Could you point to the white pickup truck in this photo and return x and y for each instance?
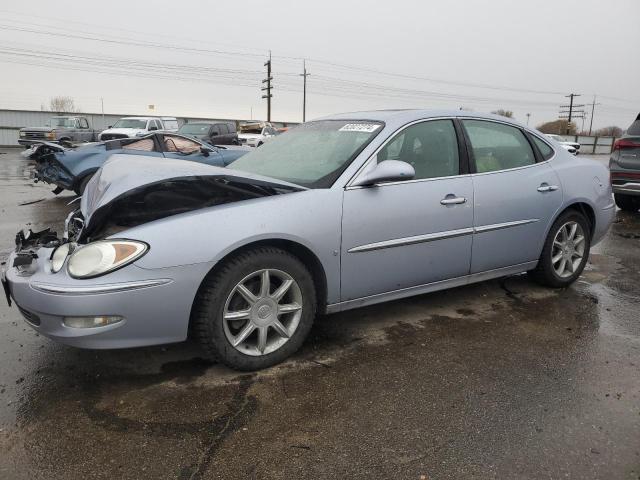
(130, 127)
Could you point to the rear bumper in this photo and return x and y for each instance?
(627, 188)
(155, 305)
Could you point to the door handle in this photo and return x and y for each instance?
(545, 187)
(451, 200)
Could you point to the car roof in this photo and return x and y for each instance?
(403, 116)
(139, 118)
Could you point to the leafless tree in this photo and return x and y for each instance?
(504, 113)
(611, 131)
(63, 104)
(558, 127)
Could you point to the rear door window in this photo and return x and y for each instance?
(496, 146)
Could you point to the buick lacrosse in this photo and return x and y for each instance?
(338, 213)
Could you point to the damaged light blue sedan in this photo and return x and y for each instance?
(70, 167)
(338, 213)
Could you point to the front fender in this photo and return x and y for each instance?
(310, 218)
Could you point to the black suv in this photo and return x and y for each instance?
(624, 165)
(215, 133)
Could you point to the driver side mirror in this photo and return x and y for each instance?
(386, 171)
(205, 151)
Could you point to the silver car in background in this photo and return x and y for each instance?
(339, 213)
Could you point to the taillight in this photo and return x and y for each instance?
(624, 143)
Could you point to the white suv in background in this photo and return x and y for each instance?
(255, 134)
(130, 127)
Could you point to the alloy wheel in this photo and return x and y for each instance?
(262, 312)
(568, 249)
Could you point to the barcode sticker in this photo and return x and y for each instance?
(360, 127)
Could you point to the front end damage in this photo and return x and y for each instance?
(49, 168)
(129, 305)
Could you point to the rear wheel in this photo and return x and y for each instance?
(628, 203)
(256, 310)
(565, 251)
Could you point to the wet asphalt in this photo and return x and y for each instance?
(502, 379)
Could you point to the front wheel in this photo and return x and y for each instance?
(256, 310)
(565, 251)
(628, 203)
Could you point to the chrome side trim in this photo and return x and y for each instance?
(432, 237)
(98, 289)
(398, 242)
(500, 226)
(430, 287)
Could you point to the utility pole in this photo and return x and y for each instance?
(528, 115)
(102, 103)
(304, 75)
(593, 107)
(268, 87)
(572, 109)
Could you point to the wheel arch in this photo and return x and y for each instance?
(303, 253)
(581, 206)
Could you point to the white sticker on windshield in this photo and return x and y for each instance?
(360, 127)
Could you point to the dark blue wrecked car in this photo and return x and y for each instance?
(71, 168)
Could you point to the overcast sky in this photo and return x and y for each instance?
(202, 58)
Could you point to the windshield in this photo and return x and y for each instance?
(130, 123)
(313, 154)
(195, 128)
(62, 122)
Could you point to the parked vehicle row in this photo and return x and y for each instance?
(342, 212)
(69, 130)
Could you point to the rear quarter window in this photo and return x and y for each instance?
(545, 150)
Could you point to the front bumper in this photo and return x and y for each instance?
(155, 305)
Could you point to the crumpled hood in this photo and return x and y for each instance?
(125, 131)
(124, 173)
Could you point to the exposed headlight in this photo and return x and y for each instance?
(51, 135)
(104, 256)
(59, 255)
(22, 134)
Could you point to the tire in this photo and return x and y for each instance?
(259, 144)
(628, 203)
(546, 272)
(220, 290)
(83, 184)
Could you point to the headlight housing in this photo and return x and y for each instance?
(59, 255)
(104, 256)
(51, 135)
